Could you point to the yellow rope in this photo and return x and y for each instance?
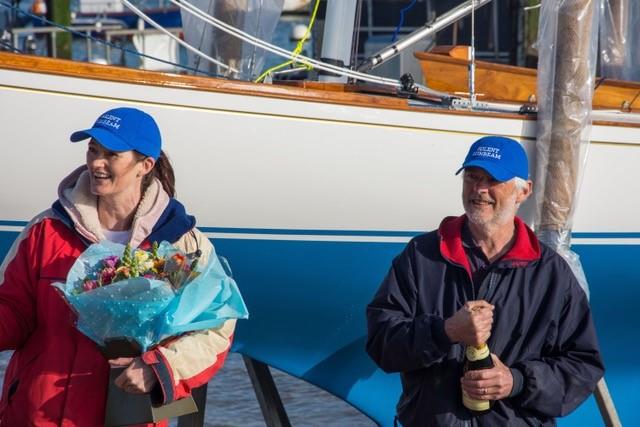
(297, 50)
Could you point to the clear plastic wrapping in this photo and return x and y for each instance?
(620, 39)
(256, 17)
(566, 70)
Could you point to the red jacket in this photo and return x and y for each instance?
(57, 376)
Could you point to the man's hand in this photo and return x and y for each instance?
(488, 384)
(471, 324)
(138, 378)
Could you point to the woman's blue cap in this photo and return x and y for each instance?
(124, 129)
(502, 158)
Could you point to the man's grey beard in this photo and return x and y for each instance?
(502, 217)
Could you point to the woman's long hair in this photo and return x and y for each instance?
(164, 172)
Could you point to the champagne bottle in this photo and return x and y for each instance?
(477, 358)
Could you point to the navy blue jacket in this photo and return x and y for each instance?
(542, 327)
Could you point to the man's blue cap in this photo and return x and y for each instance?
(502, 158)
(124, 129)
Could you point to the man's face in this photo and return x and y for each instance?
(488, 202)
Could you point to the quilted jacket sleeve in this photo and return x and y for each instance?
(399, 339)
(566, 375)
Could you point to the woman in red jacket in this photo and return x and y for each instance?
(124, 193)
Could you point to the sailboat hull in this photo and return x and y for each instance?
(310, 194)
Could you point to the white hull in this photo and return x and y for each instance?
(273, 163)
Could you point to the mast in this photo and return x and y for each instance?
(338, 35)
(566, 74)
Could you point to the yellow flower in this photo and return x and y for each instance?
(141, 257)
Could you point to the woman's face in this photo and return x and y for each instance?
(116, 173)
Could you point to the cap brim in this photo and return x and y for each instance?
(498, 173)
(104, 138)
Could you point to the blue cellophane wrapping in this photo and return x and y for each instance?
(150, 310)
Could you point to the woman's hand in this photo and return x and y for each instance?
(138, 378)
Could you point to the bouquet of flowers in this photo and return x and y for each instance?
(178, 269)
(147, 296)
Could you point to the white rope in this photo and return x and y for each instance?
(177, 39)
(185, 5)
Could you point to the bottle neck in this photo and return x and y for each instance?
(480, 352)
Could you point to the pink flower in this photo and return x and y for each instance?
(111, 261)
(89, 285)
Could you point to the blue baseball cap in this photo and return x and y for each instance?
(124, 129)
(502, 158)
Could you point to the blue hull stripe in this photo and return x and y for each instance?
(363, 233)
(309, 232)
(608, 235)
(13, 223)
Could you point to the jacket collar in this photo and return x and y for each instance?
(157, 215)
(525, 249)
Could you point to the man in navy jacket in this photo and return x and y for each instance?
(485, 277)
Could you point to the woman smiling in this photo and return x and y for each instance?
(124, 193)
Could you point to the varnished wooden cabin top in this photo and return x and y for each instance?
(445, 69)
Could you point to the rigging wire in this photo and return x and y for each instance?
(296, 51)
(99, 41)
(185, 5)
(186, 45)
